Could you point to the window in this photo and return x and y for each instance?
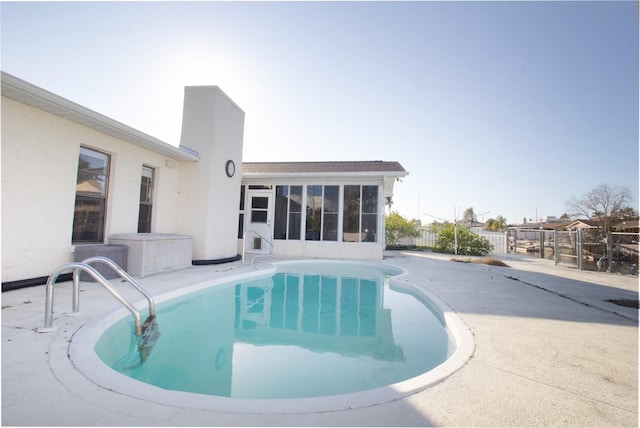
(241, 216)
(295, 212)
(91, 197)
(288, 212)
(369, 230)
(259, 209)
(330, 213)
(322, 213)
(326, 210)
(351, 214)
(314, 213)
(146, 200)
(360, 214)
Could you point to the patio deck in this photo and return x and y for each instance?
(550, 351)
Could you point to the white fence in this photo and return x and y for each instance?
(428, 239)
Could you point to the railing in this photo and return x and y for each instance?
(117, 269)
(244, 245)
(84, 266)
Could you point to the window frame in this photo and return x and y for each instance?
(89, 198)
(149, 197)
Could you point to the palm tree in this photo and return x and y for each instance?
(388, 201)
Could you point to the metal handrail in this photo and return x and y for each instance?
(117, 269)
(244, 245)
(78, 266)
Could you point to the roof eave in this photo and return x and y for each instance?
(359, 174)
(34, 96)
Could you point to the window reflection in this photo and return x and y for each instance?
(91, 193)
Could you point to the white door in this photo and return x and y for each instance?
(260, 220)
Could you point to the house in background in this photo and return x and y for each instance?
(73, 178)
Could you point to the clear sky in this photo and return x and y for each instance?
(511, 108)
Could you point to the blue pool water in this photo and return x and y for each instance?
(317, 330)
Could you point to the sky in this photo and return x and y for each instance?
(510, 108)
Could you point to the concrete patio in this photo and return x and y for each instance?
(550, 351)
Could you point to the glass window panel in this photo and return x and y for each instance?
(147, 172)
(91, 193)
(145, 190)
(295, 222)
(88, 220)
(369, 199)
(314, 213)
(351, 214)
(93, 173)
(295, 204)
(330, 227)
(295, 212)
(242, 197)
(369, 227)
(144, 219)
(258, 216)
(281, 210)
(240, 225)
(260, 202)
(146, 200)
(331, 194)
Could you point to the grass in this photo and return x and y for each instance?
(483, 261)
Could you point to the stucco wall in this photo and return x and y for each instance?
(330, 250)
(39, 169)
(213, 125)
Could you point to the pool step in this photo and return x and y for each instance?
(149, 337)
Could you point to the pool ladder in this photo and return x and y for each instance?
(146, 332)
(244, 245)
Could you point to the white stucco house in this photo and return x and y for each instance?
(74, 179)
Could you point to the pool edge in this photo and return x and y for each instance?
(84, 360)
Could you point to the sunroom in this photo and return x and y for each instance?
(315, 209)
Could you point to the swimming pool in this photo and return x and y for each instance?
(305, 330)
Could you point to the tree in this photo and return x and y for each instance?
(496, 224)
(388, 201)
(605, 203)
(469, 243)
(469, 217)
(398, 227)
(625, 214)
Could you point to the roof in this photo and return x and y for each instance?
(389, 171)
(356, 167)
(32, 95)
(582, 223)
(626, 224)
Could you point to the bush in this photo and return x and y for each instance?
(469, 243)
(398, 227)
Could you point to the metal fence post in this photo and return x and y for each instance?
(609, 252)
(579, 248)
(556, 247)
